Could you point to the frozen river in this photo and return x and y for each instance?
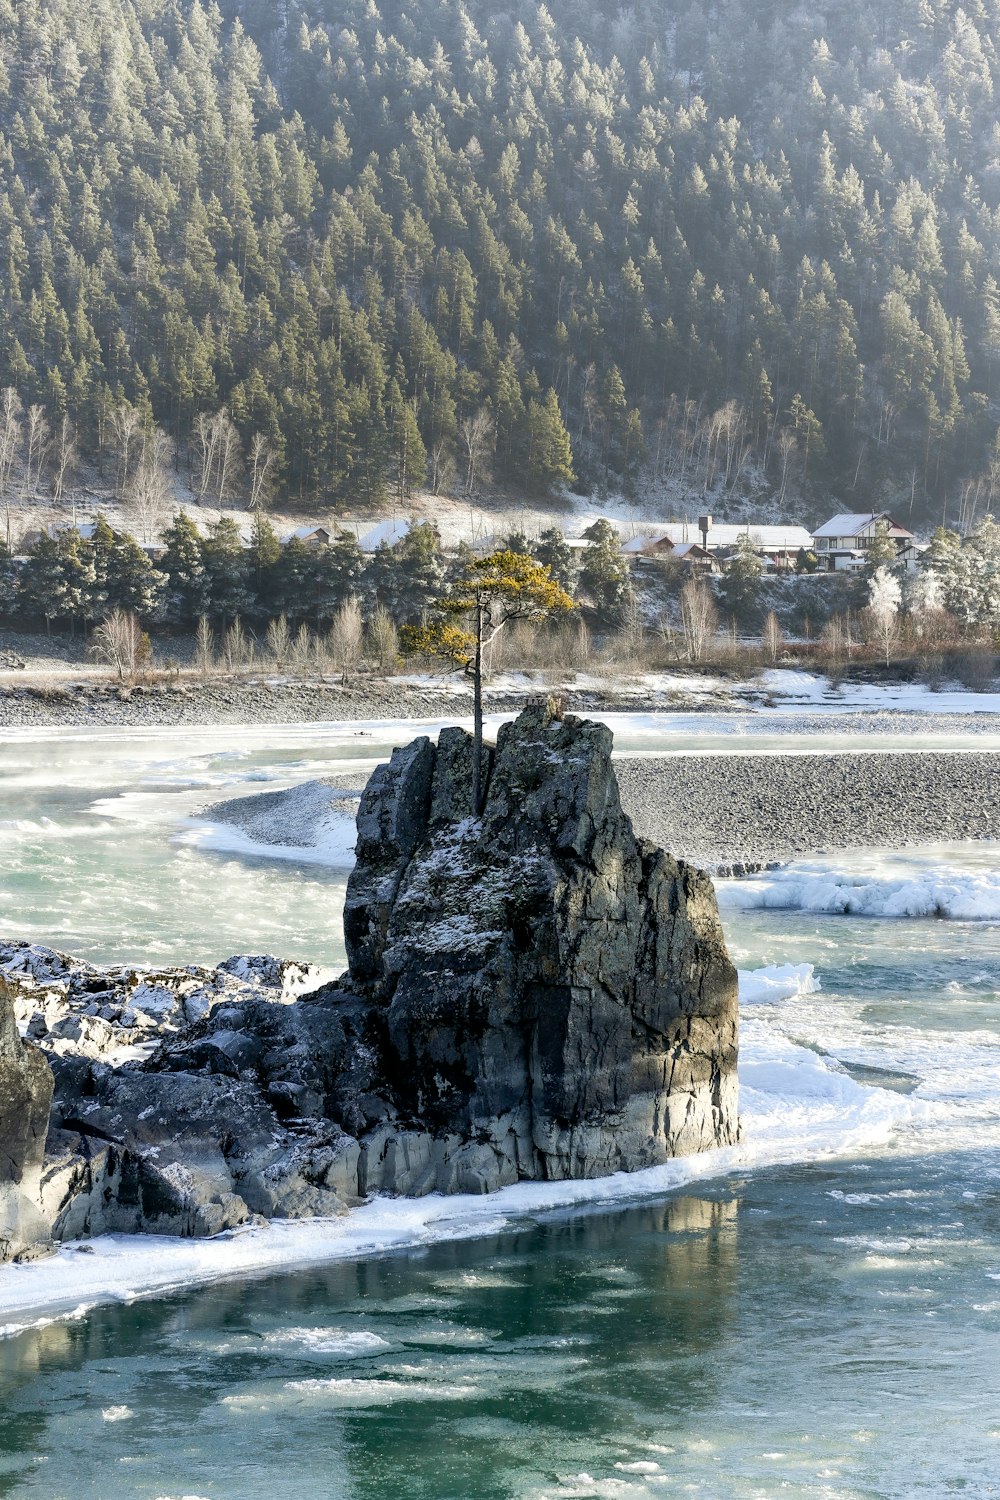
(102, 855)
(814, 1314)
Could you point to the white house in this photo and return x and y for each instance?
(842, 543)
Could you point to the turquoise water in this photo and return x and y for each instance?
(771, 1335)
(828, 1327)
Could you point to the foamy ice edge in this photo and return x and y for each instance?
(794, 1106)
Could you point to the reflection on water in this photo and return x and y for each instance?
(466, 1370)
(795, 1335)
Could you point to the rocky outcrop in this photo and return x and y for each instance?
(25, 1097)
(121, 1014)
(555, 995)
(532, 993)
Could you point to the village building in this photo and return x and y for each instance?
(642, 550)
(706, 546)
(311, 536)
(385, 534)
(842, 543)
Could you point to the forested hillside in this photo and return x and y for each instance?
(337, 249)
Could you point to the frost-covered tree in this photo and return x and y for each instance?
(884, 599)
(553, 553)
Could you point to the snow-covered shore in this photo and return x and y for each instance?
(795, 1107)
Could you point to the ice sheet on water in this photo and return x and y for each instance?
(777, 982)
(345, 1343)
(333, 846)
(882, 890)
(808, 689)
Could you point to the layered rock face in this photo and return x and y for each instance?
(554, 993)
(532, 994)
(25, 1098)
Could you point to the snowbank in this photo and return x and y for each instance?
(310, 824)
(777, 982)
(818, 887)
(795, 1107)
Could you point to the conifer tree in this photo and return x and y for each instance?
(186, 595)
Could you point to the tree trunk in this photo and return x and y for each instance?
(477, 721)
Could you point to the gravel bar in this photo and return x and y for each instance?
(733, 812)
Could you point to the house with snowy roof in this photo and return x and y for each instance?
(842, 543)
(385, 534)
(648, 547)
(777, 546)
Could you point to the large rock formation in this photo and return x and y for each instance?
(554, 993)
(533, 993)
(25, 1097)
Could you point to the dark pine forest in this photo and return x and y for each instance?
(451, 244)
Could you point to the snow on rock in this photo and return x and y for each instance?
(118, 1014)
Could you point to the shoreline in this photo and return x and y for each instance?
(734, 814)
(840, 1115)
(790, 702)
(730, 814)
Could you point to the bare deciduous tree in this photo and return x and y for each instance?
(835, 637)
(150, 492)
(11, 412)
(302, 650)
(204, 647)
(279, 641)
(699, 618)
(237, 647)
(772, 638)
(786, 447)
(345, 640)
(261, 462)
(120, 642)
(229, 457)
(39, 438)
(382, 642)
(205, 439)
(476, 434)
(217, 448)
(65, 460)
(630, 636)
(442, 466)
(126, 425)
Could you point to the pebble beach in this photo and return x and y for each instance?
(731, 810)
